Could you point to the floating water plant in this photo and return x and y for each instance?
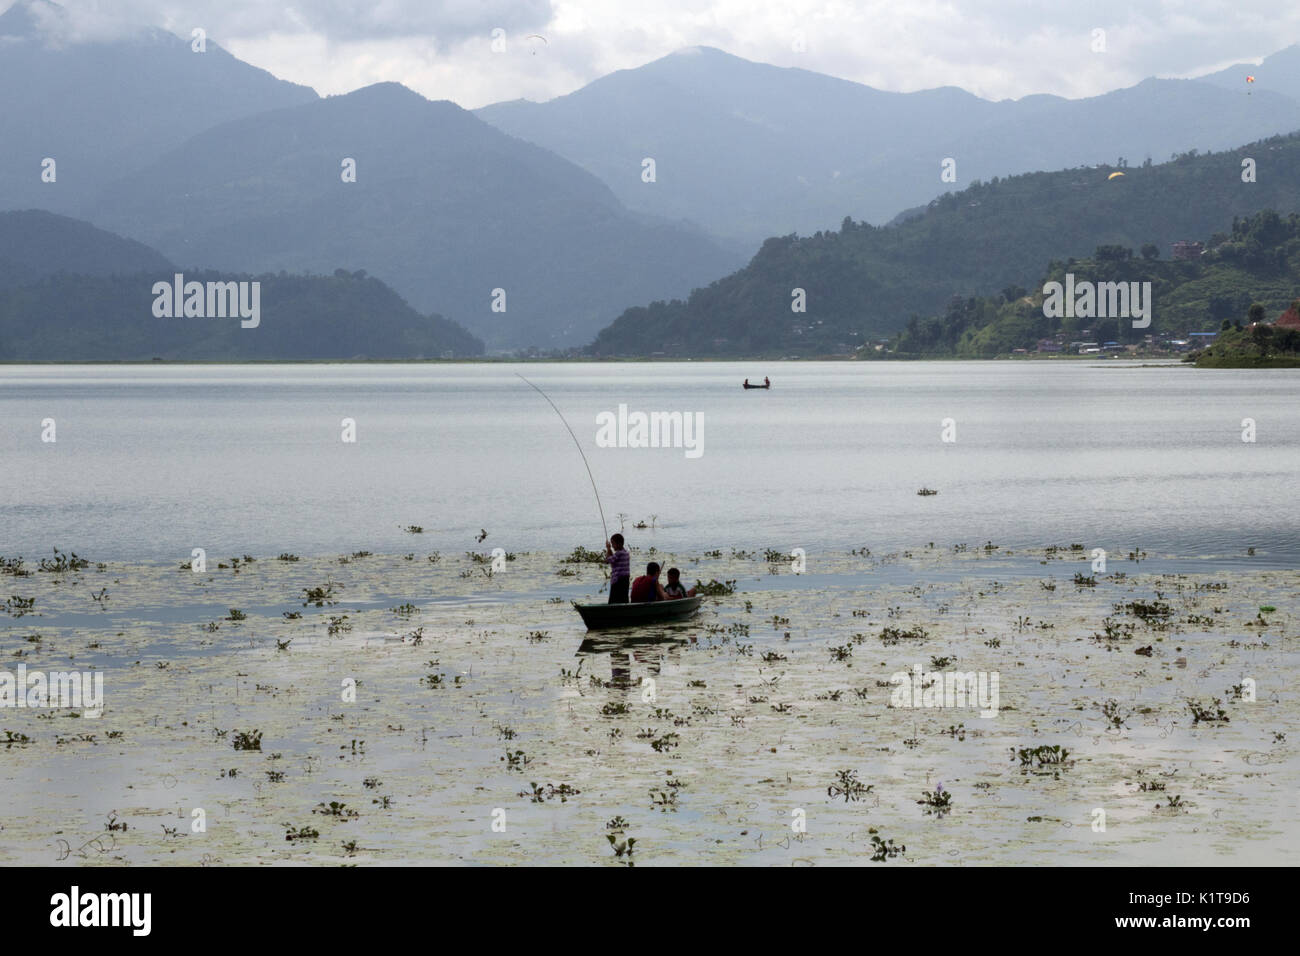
(882, 850)
(938, 802)
(247, 740)
(62, 562)
(715, 588)
(1041, 756)
(848, 786)
(549, 792)
(1211, 713)
(890, 635)
(321, 596)
(18, 606)
(1115, 715)
(581, 555)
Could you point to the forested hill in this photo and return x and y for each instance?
(35, 244)
(863, 282)
(72, 318)
(1250, 272)
(71, 292)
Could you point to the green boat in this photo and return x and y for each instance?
(599, 617)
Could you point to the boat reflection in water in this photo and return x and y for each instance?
(633, 656)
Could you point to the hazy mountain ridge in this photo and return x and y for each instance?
(445, 208)
(35, 244)
(102, 108)
(753, 150)
(1276, 73)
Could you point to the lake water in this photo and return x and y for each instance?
(152, 461)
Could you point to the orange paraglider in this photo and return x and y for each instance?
(1113, 175)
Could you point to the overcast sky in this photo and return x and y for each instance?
(994, 48)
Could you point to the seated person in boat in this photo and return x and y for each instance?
(674, 588)
(647, 586)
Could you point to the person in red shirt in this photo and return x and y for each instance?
(647, 586)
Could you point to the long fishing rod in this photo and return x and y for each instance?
(580, 452)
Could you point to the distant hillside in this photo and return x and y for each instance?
(1256, 264)
(103, 108)
(36, 244)
(750, 150)
(65, 318)
(1279, 73)
(862, 282)
(445, 209)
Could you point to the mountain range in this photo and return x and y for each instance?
(750, 150)
(102, 109)
(444, 208)
(537, 224)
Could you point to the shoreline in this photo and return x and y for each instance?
(1150, 361)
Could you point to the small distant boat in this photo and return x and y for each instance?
(599, 617)
(766, 384)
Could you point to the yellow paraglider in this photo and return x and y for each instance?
(1249, 80)
(1113, 175)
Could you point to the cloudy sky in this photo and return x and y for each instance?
(994, 48)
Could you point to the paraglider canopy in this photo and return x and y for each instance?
(1113, 175)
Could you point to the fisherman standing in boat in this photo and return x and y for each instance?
(620, 569)
(767, 382)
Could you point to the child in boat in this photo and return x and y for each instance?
(647, 587)
(620, 569)
(674, 588)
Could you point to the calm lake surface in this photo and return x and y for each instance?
(152, 461)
